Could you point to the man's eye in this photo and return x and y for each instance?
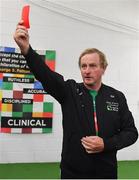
(93, 65)
(83, 66)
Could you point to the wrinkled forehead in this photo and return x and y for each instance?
(90, 58)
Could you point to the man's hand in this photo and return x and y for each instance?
(21, 37)
(93, 144)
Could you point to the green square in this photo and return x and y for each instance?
(17, 114)
(46, 130)
(7, 86)
(27, 107)
(29, 76)
(47, 107)
(50, 55)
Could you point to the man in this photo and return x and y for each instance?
(96, 119)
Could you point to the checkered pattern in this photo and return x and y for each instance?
(24, 106)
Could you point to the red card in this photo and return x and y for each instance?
(25, 16)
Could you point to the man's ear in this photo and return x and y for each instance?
(104, 69)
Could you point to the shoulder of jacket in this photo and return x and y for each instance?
(72, 82)
(114, 91)
(75, 86)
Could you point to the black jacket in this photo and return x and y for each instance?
(115, 121)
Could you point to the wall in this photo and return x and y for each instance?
(69, 27)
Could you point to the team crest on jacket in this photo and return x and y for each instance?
(112, 106)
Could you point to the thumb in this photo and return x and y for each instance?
(21, 22)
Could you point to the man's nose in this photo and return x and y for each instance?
(87, 70)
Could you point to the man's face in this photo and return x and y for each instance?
(91, 70)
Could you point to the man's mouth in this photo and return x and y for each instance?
(87, 77)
